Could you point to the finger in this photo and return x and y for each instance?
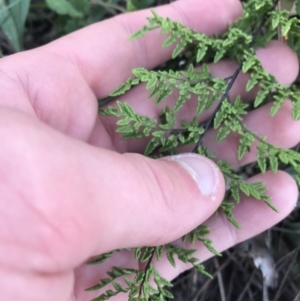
(69, 200)
(253, 215)
(106, 57)
(277, 59)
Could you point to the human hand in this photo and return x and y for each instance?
(69, 191)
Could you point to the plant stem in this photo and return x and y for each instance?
(233, 78)
(145, 272)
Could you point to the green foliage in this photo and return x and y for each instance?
(13, 14)
(72, 8)
(148, 283)
(75, 14)
(101, 258)
(298, 7)
(195, 85)
(237, 186)
(200, 234)
(133, 5)
(228, 119)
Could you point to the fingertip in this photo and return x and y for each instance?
(285, 130)
(286, 191)
(234, 9)
(216, 15)
(279, 60)
(255, 214)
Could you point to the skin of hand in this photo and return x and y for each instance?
(71, 189)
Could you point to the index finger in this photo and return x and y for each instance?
(105, 56)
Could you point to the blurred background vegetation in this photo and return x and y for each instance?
(31, 23)
(263, 268)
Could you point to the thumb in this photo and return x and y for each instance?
(135, 201)
(77, 200)
(159, 201)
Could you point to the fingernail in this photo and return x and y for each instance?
(203, 171)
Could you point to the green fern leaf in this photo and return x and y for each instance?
(170, 256)
(201, 53)
(179, 48)
(296, 110)
(273, 163)
(140, 72)
(163, 94)
(152, 81)
(171, 39)
(219, 55)
(138, 34)
(262, 163)
(260, 97)
(252, 82)
(223, 133)
(201, 269)
(102, 258)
